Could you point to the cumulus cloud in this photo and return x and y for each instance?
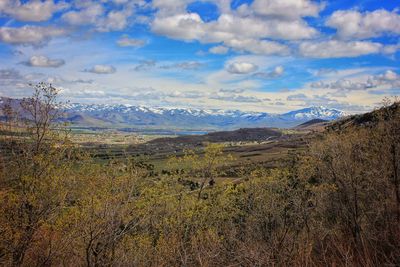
(180, 26)
(88, 14)
(241, 67)
(125, 41)
(288, 9)
(343, 84)
(190, 26)
(336, 49)
(29, 35)
(101, 18)
(115, 20)
(352, 24)
(388, 79)
(276, 72)
(219, 50)
(101, 69)
(261, 47)
(241, 30)
(32, 10)
(44, 62)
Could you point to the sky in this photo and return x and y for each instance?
(250, 55)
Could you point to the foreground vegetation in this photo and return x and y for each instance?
(337, 204)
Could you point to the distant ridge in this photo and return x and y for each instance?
(314, 124)
(105, 115)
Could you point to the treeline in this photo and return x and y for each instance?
(338, 204)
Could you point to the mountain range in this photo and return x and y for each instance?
(141, 117)
(188, 118)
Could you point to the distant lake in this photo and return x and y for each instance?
(163, 132)
(145, 131)
(166, 132)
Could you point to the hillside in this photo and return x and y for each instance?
(300, 198)
(368, 119)
(313, 125)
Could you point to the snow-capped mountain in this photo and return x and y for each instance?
(189, 118)
(128, 116)
(93, 108)
(315, 113)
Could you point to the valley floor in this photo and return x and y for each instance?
(251, 197)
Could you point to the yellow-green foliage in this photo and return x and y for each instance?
(337, 204)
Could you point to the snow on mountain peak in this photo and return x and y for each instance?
(306, 113)
(316, 112)
(194, 117)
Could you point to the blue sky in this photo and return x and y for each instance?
(258, 55)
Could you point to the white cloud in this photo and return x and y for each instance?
(241, 67)
(276, 72)
(261, 47)
(391, 49)
(180, 26)
(231, 90)
(95, 14)
(219, 50)
(323, 72)
(44, 62)
(237, 30)
(125, 41)
(288, 9)
(336, 49)
(235, 98)
(343, 84)
(29, 35)
(120, 2)
(170, 6)
(10, 77)
(297, 97)
(31, 10)
(190, 26)
(187, 94)
(229, 25)
(389, 75)
(184, 65)
(352, 24)
(101, 69)
(387, 80)
(145, 65)
(58, 80)
(115, 20)
(187, 65)
(89, 14)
